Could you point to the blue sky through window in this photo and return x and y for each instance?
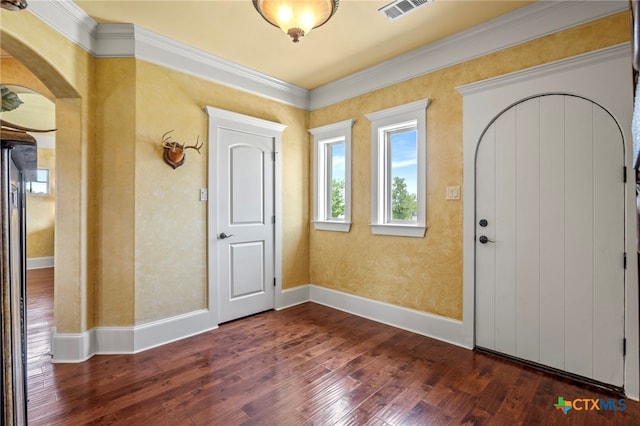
(404, 159)
(336, 173)
(337, 161)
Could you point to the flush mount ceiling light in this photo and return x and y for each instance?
(296, 17)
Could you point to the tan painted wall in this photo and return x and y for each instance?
(115, 199)
(137, 249)
(426, 273)
(15, 73)
(41, 211)
(151, 239)
(68, 73)
(170, 234)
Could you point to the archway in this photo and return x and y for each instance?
(73, 293)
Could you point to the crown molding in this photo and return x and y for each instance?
(127, 40)
(115, 41)
(68, 19)
(525, 24)
(600, 56)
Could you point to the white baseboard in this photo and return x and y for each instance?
(292, 296)
(78, 347)
(111, 341)
(72, 347)
(169, 330)
(435, 326)
(40, 262)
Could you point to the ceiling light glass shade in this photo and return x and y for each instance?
(296, 17)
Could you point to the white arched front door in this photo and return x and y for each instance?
(550, 237)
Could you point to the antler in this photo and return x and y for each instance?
(167, 142)
(196, 146)
(175, 152)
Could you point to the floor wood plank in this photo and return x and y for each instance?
(306, 365)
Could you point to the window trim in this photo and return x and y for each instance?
(381, 122)
(47, 182)
(322, 137)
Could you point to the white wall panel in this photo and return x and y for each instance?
(527, 245)
(608, 295)
(485, 264)
(579, 237)
(552, 218)
(505, 237)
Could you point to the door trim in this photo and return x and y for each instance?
(482, 101)
(219, 118)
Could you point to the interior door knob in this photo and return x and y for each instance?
(223, 236)
(484, 240)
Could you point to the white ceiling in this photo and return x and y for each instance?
(356, 38)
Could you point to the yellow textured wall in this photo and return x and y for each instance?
(41, 211)
(426, 273)
(115, 203)
(124, 213)
(15, 73)
(170, 266)
(67, 72)
(170, 221)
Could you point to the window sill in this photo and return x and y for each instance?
(415, 231)
(332, 226)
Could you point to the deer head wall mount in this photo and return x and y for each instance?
(13, 4)
(175, 152)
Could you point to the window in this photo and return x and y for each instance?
(39, 186)
(398, 175)
(332, 176)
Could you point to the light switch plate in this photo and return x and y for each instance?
(453, 192)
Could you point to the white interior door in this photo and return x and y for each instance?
(245, 228)
(550, 237)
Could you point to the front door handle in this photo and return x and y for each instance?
(223, 236)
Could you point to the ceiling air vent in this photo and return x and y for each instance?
(401, 7)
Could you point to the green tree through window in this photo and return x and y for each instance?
(403, 204)
(398, 170)
(337, 198)
(332, 176)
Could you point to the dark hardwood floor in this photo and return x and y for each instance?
(39, 324)
(304, 365)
